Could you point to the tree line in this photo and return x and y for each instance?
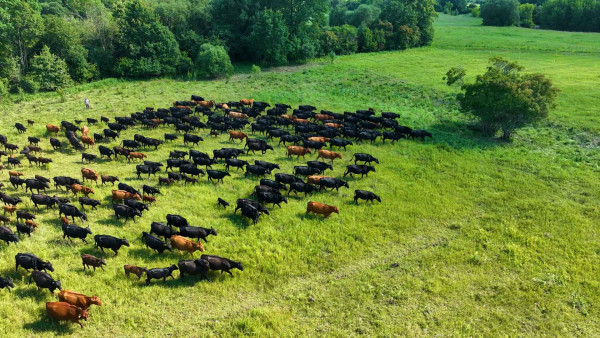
(51, 44)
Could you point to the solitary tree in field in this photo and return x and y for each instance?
(505, 99)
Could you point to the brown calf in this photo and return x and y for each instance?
(78, 299)
(296, 150)
(238, 135)
(64, 311)
(321, 209)
(184, 244)
(136, 270)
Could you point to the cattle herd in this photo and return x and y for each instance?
(303, 132)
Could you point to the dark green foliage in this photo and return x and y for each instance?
(363, 15)
(366, 40)
(412, 22)
(269, 39)
(213, 62)
(346, 39)
(48, 71)
(458, 6)
(504, 99)
(571, 15)
(500, 12)
(526, 15)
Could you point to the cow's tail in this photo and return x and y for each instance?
(351, 158)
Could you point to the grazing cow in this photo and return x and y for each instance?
(273, 184)
(217, 175)
(158, 273)
(87, 140)
(136, 270)
(73, 231)
(33, 140)
(306, 188)
(61, 311)
(31, 261)
(88, 201)
(110, 242)
(95, 262)
(109, 178)
(70, 210)
(222, 264)
(155, 243)
(193, 267)
(161, 229)
(328, 154)
(365, 195)
(237, 135)
(222, 202)
(52, 129)
(98, 137)
(321, 209)
(275, 199)
(366, 158)
(120, 195)
(150, 190)
(177, 220)
(55, 143)
(7, 235)
(422, 134)
(6, 283)
(296, 150)
(306, 171)
(25, 229)
(89, 174)
(43, 280)
(184, 244)
(196, 232)
(78, 299)
(126, 212)
(359, 169)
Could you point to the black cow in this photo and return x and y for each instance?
(146, 169)
(222, 202)
(25, 229)
(70, 210)
(24, 215)
(153, 164)
(177, 154)
(190, 138)
(193, 267)
(359, 169)
(98, 137)
(158, 273)
(306, 188)
(14, 161)
(262, 147)
(105, 151)
(128, 188)
(176, 220)
(268, 165)
(275, 199)
(88, 201)
(313, 144)
(161, 229)
(20, 127)
(30, 261)
(33, 140)
(265, 188)
(307, 107)
(171, 137)
(43, 280)
(131, 144)
(306, 171)
(73, 231)
(217, 175)
(286, 178)
(10, 200)
(110, 134)
(272, 184)
(341, 143)
(257, 170)
(155, 243)
(16, 181)
(290, 138)
(365, 195)
(422, 134)
(137, 205)
(367, 158)
(250, 212)
(234, 162)
(150, 190)
(38, 185)
(195, 153)
(110, 242)
(322, 166)
(91, 120)
(333, 183)
(8, 283)
(222, 264)
(190, 169)
(175, 163)
(7, 235)
(244, 201)
(126, 212)
(394, 136)
(55, 143)
(196, 232)
(116, 127)
(153, 142)
(64, 181)
(88, 157)
(40, 199)
(205, 161)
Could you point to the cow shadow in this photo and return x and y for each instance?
(31, 291)
(239, 221)
(46, 325)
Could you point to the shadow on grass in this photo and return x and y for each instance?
(46, 325)
(240, 221)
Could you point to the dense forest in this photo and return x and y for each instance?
(51, 44)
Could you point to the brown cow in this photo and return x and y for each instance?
(78, 299)
(297, 120)
(32, 223)
(65, 220)
(321, 209)
(328, 154)
(318, 139)
(206, 104)
(89, 174)
(65, 311)
(78, 188)
(150, 199)
(184, 244)
(334, 125)
(247, 102)
(288, 117)
(10, 209)
(236, 115)
(120, 195)
(108, 178)
(85, 130)
(14, 173)
(87, 140)
(52, 128)
(314, 179)
(296, 150)
(133, 155)
(238, 135)
(95, 262)
(323, 117)
(136, 270)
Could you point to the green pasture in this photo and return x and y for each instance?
(474, 236)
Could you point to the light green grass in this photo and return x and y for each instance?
(474, 236)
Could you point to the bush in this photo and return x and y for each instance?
(213, 62)
(346, 42)
(255, 70)
(526, 15)
(301, 49)
(571, 15)
(27, 84)
(366, 40)
(3, 89)
(48, 71)
(269, 39)
(328, 42)
(500, 12)
(475, 12)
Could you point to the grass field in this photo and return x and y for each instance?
(474, 236)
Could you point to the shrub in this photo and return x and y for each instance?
(213, 62)
(526, 15)
(269, 38)
(48, 71)
(255, 70)
(366, 40)
(475, 12)
(500, 12)
(346, 42)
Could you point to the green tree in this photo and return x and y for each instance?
(22, 26)
(505, 99)
(213, 62)
(366, 40)
(269, 38)
(526, 15)
(49, 71)
(346, 38)
(500, 12)
(363, 15)
(145, 47)
(418, 15)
